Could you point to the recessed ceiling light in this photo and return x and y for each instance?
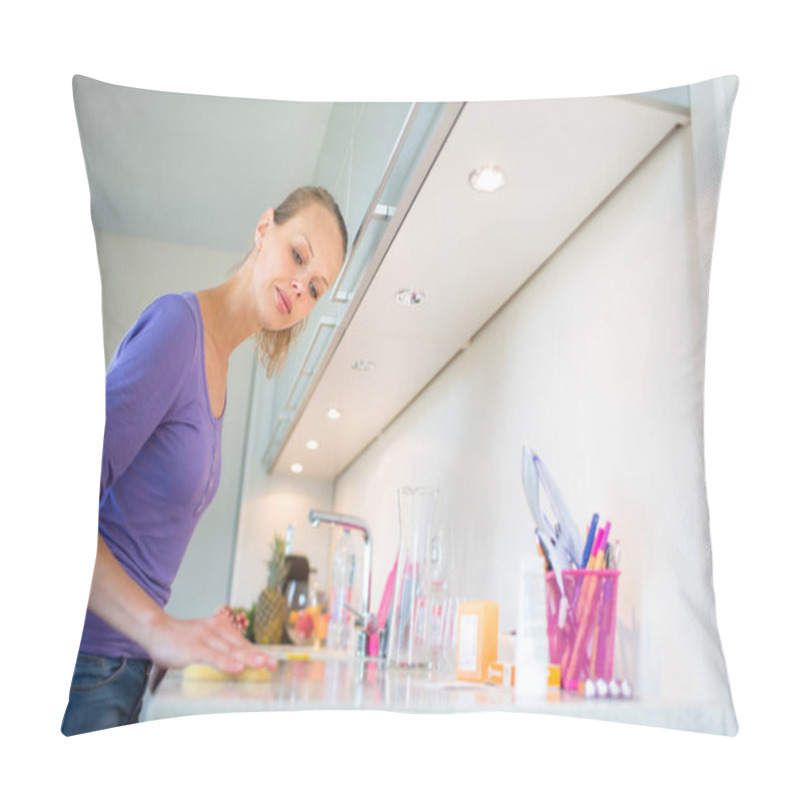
(409, 297)
(488, 178)
(363, 365)
(333, 413)
(296, 468)
(312, 444)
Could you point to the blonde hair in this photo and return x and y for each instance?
(273, 346)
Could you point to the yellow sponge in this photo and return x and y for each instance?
(203, 672)
(252, 674)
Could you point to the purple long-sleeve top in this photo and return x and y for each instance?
(161, 455)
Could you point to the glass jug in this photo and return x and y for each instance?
(408, 641)
(441, 605)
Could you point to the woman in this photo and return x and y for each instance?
(165, 402)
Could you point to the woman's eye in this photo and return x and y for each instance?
(297, 256)
(313, 291)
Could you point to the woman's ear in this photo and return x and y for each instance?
(267, 218)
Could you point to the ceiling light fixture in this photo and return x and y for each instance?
(333, 413)
(488, 178)
(312, 444)
(409, 297)
(296, 468)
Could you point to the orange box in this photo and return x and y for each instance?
(477, 639)
(500, 673)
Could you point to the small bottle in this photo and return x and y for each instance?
(342, 581)
(532, 658)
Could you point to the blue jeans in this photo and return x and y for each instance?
(105, 692)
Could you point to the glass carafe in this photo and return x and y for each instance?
(408, 641)
(441, 605)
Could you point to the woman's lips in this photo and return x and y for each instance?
(284, 303)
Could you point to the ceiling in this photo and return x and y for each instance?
(192, 169)
(469, 253)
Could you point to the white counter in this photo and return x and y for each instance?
(318, 681)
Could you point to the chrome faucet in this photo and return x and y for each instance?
(365, 620)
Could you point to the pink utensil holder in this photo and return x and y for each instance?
(584, 646)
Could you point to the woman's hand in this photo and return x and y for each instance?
(215, 641)
(123, 604)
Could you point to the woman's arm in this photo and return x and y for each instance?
(117, 599)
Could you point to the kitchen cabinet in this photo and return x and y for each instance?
(461, 253)
(374, 156)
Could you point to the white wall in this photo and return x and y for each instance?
(269, 504)
(597, 364)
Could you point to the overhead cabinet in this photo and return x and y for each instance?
(434, 260)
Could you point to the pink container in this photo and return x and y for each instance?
(584, 646)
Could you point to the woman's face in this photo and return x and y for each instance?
(296, 262)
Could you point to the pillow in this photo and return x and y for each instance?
(566, 309)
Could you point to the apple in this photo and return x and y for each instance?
(304, 624)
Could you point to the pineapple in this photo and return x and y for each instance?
(272, 608)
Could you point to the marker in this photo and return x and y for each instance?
(600, 546)
(587, 551)
(604, 548)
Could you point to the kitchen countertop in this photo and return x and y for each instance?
(315, 680)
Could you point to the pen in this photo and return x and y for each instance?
(595, 548)
(586, 585)
(587, 551)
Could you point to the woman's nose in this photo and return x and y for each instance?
(297, 287)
